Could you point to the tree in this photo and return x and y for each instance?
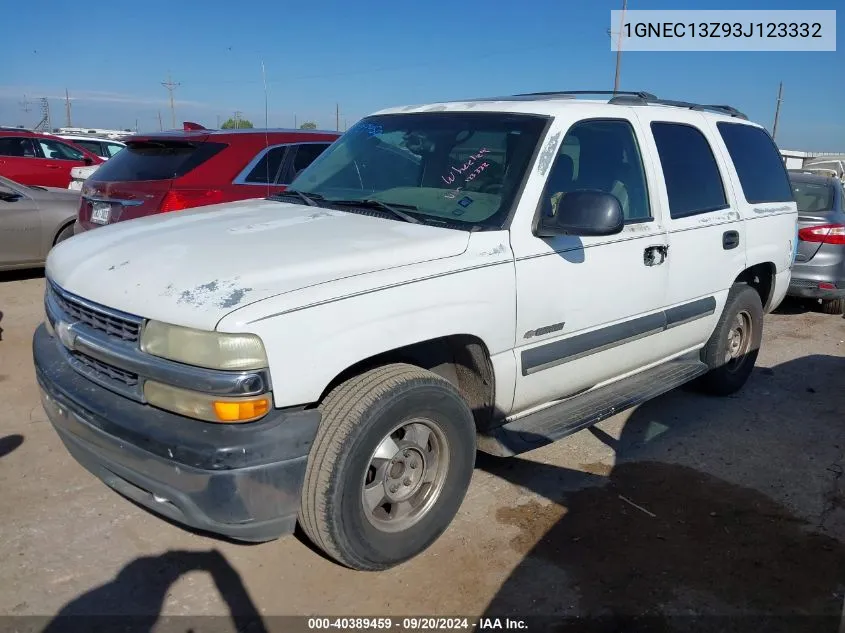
(231, 124)
(308, 125)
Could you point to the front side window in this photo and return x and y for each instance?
(758, 163)
(59, 151)
(692, 177)
(92, 146)
(600, 155)
(267, 168)
(462, 168)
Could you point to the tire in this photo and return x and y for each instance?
(64, 234)
(833, 306)
(387, 408)
(727, 377)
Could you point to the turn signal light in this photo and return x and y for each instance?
(825, 233)
(241, 411)
(176, 199)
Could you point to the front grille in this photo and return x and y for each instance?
(99, 318)
(105, 372)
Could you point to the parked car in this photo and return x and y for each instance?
(103, 147)
(78, 176)
(172, 171)
(33, 219)
(819, 269)
(32, 158)
(495, 274)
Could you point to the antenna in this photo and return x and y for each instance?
(266, 116)
(619, 48)
(337, 117)
(170, 88)
(777, 111)
(67, 109)
(160, 126)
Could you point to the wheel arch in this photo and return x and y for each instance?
(761, 277)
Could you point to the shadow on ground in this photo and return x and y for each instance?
(133, 600)
(651, 545)
(10, 443)
(21, 275)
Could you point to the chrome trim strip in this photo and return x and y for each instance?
(122, 201)
(96, 306)
(128, 357)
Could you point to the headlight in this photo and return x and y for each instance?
(205, 407)
(213, 350)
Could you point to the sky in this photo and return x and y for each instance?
(112, 58)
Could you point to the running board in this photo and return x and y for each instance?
(579, 412)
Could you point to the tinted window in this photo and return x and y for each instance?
(813, 197)
(600, 155)
(267, 168)
(305, 155)
(692, 176)
(758, 163)
(59, 151)
(155, 160)
(17, 146)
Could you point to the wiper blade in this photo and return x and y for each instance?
(307, 199)
(382, 206)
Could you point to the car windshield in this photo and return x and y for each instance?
(812, 197)
(461, 169)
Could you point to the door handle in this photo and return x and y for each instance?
(730, 239)
(655, 255)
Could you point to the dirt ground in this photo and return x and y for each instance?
(688, 507)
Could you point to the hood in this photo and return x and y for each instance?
(193, 267)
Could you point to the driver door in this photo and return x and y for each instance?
(20, 229)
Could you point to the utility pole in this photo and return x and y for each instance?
(218, 121)
(25, 106)
(294, 121)
(170, 88)
(337, 117)
(160, 126)
(136, 126)
(619, 48)
(237, 118)
(67, 108)
(777, 111)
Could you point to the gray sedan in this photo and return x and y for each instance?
(819, 270)
(32, 220)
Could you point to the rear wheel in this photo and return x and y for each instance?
(833, 306)
(733, 347)
(389, 467)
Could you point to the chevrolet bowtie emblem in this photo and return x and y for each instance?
(66, 333)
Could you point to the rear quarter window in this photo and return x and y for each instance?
(758, 163)
(155, 160)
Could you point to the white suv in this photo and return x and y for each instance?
(492, 274)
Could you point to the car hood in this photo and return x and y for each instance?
(193, 267)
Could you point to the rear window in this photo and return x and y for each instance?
(813, 197)
(155, 160)
(758, 163)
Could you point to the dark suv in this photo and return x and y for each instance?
(171, 171)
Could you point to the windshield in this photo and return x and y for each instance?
(461, 169)
(812, 197)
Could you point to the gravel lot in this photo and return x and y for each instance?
(687, 505)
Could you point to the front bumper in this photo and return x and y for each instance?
(240, 481)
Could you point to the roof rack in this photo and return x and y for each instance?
(639, 97)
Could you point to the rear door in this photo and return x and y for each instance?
(19, 161)
(706, 231)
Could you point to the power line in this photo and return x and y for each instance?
(171, 86)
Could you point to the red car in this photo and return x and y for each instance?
(32, 158)
(171, 171)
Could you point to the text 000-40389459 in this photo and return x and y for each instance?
(729, 30)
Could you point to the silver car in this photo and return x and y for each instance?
(819, 270)
(33, 220)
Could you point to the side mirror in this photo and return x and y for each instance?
(87, 160)
(583, 213)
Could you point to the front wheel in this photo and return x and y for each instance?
(733, 347)
(389, 468)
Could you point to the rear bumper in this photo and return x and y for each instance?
(827, 266)
(239, 481)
